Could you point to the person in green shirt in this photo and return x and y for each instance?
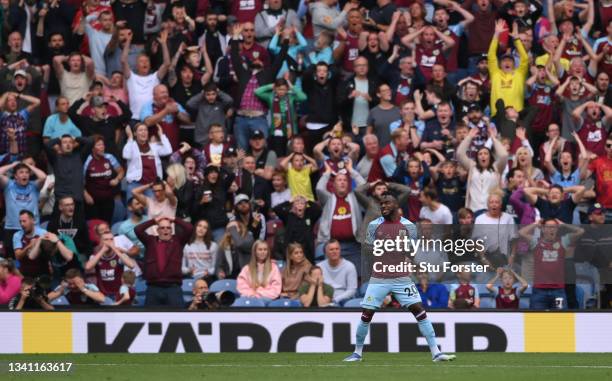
(314, 292)
(281, 97)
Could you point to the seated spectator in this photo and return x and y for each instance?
(433, 295)
(339, 273)
(10, 281)
(295, 271)
(261, 278)
(314, 292)
(15, 121)
(127, 293)
(280, 192)
(507, 296)
(211, 197)
(200, 254)
(298, 216)
(28, 298)
(200, 291)
(77, 291)
(108, 263)
(463, 295)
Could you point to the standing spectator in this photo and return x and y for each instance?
(75, 82)
(507, 82)
(314, 292)
(210, 199)
(164, 257)
(267, 20)
(432, 209)
(600, 168)
(364, 166)
(234, 250)
(166, 112)
(66, 158)
(140, 84)
(381, 116)
(213, 106)
(136, 217)
(341, 217)
(319, 83)
(497, 229)
(299, 168)
(20, 194)
(385, 163)
(338, 272)
(550, 252)
(200, 254)
(326, 17)
(59, 124)
(98, 38)
(101, 122)
(103, 174)
(15, 122)
(143, 156)
(26, 243)
(71, 222)
(356, 96)
(261, 278)
(299, 216)
(295, 271)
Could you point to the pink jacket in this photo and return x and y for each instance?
(271, 291)
(10, 288)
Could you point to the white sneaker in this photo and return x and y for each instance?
(443, 357)
(353, 357)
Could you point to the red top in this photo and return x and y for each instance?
(506, 301)
(342, 224)
(108, 274)
(549, 264)
(602, 168)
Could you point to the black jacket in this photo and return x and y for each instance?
(256, 187)
(214, 211)
(321, 97)
(300, 230)
(346, 104)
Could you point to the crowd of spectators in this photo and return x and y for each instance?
(143, 143)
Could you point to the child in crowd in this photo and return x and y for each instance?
(507, 296)
(463, 295)
(127, 292)
(299, 167)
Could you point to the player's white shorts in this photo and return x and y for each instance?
(405, 293)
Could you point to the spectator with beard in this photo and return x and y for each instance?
(252, 219)
(77, 291)
(71, 223)
(211, 197)
(136, 217)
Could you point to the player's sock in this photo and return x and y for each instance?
(427, 330)
(362, 332)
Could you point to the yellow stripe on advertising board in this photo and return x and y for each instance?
(550, 332)
(47, 332)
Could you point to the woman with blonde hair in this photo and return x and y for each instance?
(295, 271)
(523, 160)
(183, 188)
(261, 278)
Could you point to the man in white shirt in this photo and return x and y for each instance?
(434, 210)
(141, 83)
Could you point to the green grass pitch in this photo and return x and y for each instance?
(320, 367)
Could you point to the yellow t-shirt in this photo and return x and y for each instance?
(543, 60)
(299, 182)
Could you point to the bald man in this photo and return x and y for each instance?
(164, 111)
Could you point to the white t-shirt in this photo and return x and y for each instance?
(442, 215)
(496, 232)
(140, 90)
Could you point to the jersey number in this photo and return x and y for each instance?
(411, 291)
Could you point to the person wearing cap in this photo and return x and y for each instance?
(507, 82)
(481, 75)
(254, 220)
(74, 82)
(101, 123)
(251, 114)
(265, 159)
(211, 197)
(14, 122)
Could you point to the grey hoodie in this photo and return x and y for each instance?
(325, 17)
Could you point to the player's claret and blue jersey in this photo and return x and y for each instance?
(381, 230)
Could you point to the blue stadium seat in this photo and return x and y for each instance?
(61, 301)
(120, 211)
(188, 285)
(115, 227)
(187, 298)
(528, 290)
(362, 289)
(580, 296)
(248, 302)
(223, 285)
(287, 303)
(280, 264)
(524, 302)
(482, 289)
(140, 301)
(352, 303)
(487, 302)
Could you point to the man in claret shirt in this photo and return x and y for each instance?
(601, 169)
(431, 48)
(341, 217)
(594, 125)
(350, 42)
(246, 10)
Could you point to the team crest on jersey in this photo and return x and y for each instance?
(436, 52)
(342, 210)
(402, 232)
(256, 54)
(106, 166)
(556, 246)
(512, 297)
(471, 292)
(547, 90)
(113, 263)
(369, 298)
